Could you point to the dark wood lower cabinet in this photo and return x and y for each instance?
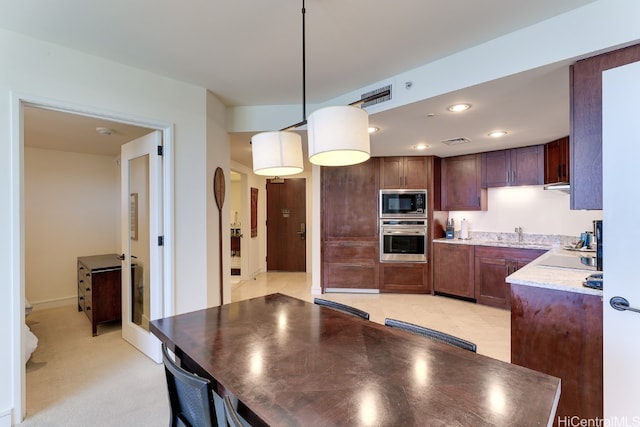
(560, 333)
(350, 265)
(492, 266)
(453, 269)
(405, 277)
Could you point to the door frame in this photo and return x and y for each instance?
(17, 237)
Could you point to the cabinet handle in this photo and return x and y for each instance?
(80, 298)
(88, 308)
(513, 177)
(507, 177)
(88, 289)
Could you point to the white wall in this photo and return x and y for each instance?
(71, 209)
(44, 73)
(536, 210)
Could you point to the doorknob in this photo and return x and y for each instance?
(621, 304)
(303, 231)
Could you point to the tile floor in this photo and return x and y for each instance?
(488, 327)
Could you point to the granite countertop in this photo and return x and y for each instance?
(537, 274)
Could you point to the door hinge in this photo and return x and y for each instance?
(160, 150)
(160, 240)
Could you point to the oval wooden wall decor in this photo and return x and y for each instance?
(218, 187)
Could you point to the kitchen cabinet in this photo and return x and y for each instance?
(560, 333)
(461, 179)
(349, 217)
(517, 166)
(586, 124)
(404, 277)
(453, 269)
(492, 266)
(100, 289)
(404, 172)
(556, 161)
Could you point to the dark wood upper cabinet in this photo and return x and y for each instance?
(586, 124)
(404, 172)
(350, 201)
(461, 179)
(556, 161)
(518, 166)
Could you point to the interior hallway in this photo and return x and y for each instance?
(74, 379)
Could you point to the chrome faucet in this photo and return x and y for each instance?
(519, 231)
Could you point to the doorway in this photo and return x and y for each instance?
(77, 194)
(286, 225)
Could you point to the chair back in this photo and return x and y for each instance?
(233, 419)
(342, 307)
(431, 333)
(190, 396)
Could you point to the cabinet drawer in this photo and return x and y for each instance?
(360, 252)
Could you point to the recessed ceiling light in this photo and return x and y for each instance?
(421, 146)
(456, 108)
(104, 131)
(497, 133)
(373, 129)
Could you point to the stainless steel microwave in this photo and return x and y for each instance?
(403, 203)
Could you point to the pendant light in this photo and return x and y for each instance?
(337, 136)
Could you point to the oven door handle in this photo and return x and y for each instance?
(404, 232)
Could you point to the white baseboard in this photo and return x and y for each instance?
(5, 418)
(54, 303)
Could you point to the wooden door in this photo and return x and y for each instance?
(286, 224)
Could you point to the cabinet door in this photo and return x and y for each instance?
(556, 161)
(491, 286)
(496, 168)
(391, 172)
(527, 165)
(415, 172)
(404, 172)
(404, 277)
(586, 124)
(518, 166)
(461, 184)
(453, 269)
(492, 266)
(350, 201)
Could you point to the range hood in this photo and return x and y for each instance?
(561, 186)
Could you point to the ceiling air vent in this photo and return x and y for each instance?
(384, 92)
(456, 141)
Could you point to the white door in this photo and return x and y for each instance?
(621, 233)
(142, 280)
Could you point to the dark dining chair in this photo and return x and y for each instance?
(233, 419)
(342, 307)
(190, 396)
(431, 333)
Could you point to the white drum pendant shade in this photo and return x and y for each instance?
(277, 153)
(338, 136)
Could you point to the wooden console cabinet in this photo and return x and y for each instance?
(100, 289)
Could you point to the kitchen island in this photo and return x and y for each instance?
(556, 328)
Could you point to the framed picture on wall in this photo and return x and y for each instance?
(254, 212)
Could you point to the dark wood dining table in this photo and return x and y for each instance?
(292, 363)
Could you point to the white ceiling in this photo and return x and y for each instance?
(249, 53)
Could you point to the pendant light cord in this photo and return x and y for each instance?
(304, 78)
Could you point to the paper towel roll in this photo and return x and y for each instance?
(464, 229)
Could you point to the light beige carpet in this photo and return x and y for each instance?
(74, 379)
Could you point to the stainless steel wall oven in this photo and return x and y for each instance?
(403, 240)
